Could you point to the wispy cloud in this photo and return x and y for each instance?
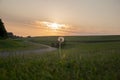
(62, 30)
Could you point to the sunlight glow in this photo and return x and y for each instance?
(55, 26)
(52, 28)
(51, 25)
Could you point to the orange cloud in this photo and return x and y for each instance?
(50, 28)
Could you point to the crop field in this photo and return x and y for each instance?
(81, 58)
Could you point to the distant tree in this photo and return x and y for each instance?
(3, 32)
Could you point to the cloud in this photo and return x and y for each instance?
(50, 25)
(63, 29)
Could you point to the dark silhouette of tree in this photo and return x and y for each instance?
(3, 32)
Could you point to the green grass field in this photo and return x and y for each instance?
(17, 44)
(83, 58)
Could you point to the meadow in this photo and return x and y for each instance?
(82, 58)
(17, 44)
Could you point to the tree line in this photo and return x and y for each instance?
(3, 31)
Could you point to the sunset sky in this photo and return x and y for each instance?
(61, 17)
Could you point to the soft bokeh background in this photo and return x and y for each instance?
(83, 17)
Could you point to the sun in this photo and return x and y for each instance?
(51, 25)
(54, 26)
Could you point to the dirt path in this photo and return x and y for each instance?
(34, 51)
